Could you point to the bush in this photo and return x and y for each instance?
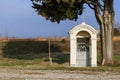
(32, 47)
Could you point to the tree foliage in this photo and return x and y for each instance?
(57, 10)
(117, 29)
(116, 32)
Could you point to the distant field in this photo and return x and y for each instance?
(38, 45)
(115, 38)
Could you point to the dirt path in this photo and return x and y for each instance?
(13, 74)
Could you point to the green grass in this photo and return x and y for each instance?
(36, 61)
(60, 62)
(27, 55)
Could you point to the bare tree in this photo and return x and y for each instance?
(104, 14)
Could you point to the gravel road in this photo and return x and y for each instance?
(20, 74)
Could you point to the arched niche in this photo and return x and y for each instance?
(83, 46)
(83, 34)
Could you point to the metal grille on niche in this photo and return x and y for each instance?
(83, 44)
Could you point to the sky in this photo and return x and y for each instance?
(19, 19)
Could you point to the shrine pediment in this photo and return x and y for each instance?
(83, 27)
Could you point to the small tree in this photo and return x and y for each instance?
(49, 51)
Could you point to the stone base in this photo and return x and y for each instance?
(72, 65)
(93, 65)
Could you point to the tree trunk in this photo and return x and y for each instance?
(108, 20)
(105, 19)
(103, 44)
(108, 24)
(49, 49)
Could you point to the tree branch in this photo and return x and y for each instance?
(91, 6)
(92, 2)
(98, 15)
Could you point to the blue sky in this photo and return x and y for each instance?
(19, 19)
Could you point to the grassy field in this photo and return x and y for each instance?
(60, 62)
(29, 55)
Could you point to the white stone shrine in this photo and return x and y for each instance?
(83, 46)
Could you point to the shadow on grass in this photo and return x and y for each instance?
(60, 58)
(29, 50)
